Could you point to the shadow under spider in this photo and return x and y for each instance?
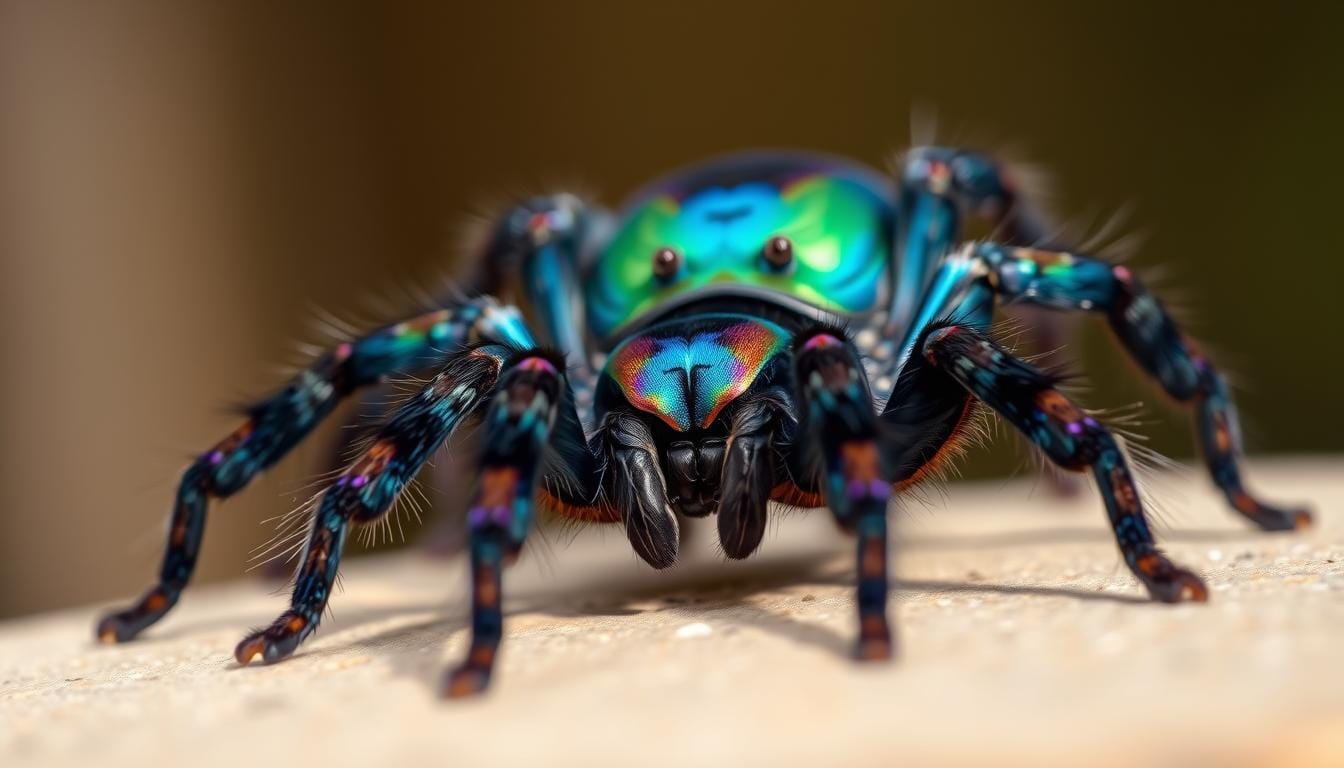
(746, 578)
(1054, 535)
(699, 591)
(705, 587)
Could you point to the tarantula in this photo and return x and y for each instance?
(763, 327)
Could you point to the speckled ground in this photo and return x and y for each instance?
(1022, 642)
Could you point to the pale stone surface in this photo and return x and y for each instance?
(1022, 642)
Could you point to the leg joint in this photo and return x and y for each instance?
(1066, 433)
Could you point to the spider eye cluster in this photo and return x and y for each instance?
(777, 253)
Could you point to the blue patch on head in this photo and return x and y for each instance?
(726, 222)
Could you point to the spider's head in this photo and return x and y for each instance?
(800, 231)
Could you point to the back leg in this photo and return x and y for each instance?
(840, 432)
(278, 423)
(1028, 399)
(1067, 281)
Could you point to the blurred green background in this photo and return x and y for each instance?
(183, 182)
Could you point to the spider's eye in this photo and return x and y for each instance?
(666, 263)
(778, 252)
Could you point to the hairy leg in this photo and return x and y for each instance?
(940, 185)
(371, 407)
(840, 429)
(278, 423)
(518, 424)
(536, 249)
(1028, 399)
(367, 488)
(1067, 281)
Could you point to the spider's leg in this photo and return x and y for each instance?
(637, 489)
(1028, 399)
(748, 474)
(840, 429)
(369, 485)
(538, 246)
(1061, 280)
(340, 450)
(518, 428)
(937, 187)
(278, 423)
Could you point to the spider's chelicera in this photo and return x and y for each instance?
(764, 327)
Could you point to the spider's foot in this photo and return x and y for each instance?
(874, 640)
(122, 626)
(116, 628)
(1271, 518)
(466, 680)
(273, 643)
(1170, 583)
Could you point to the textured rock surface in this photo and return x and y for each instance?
(1021, 641)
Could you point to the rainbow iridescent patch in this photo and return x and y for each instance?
(687, 378)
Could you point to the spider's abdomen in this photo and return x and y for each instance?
(684, 372)
(798, 230)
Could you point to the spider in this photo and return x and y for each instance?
(764, 327)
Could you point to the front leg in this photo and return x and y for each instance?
(278, 423)
(518, 426)
(367, 488)
(840, 430)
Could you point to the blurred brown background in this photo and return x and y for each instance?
(181, 182)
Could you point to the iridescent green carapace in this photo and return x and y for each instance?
(835, 218)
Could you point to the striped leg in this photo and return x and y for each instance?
(840, 429)
(278, 423)
(1066, 281)
(938, 187)
(367, 488)
(1028, 399)
(518, 427)
(371, 407)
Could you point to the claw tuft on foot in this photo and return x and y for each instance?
(465, 681)
(250, 648)
(1179, 586)
(107, 634)
(112, 630)
(876, 649)
(1302, 519)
